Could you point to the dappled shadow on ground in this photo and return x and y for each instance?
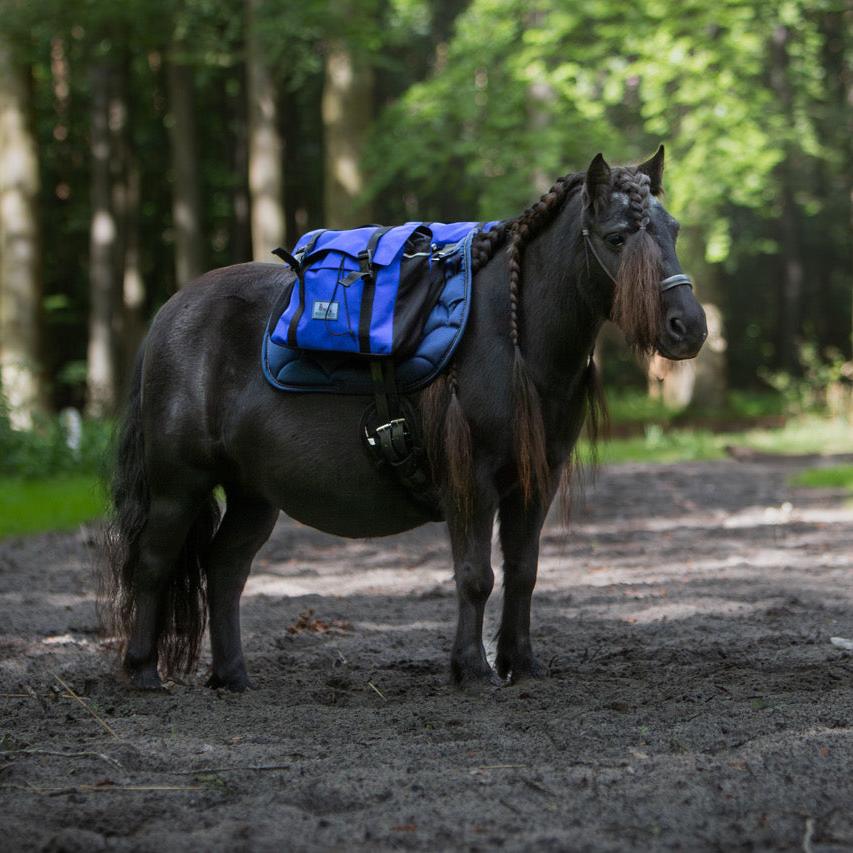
(695, 701)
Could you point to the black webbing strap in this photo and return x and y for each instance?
(297, 264)
(365, 259)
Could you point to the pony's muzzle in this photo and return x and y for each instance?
(684, 327)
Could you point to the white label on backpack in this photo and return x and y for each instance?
(324, 311)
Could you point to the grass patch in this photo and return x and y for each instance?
(632, 405)
(837, 477)
(33, 506)
(801, 436)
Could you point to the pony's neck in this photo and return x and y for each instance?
(560, 315)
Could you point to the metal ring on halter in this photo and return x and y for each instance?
(676, 281)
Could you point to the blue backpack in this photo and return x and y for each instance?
(366, 291)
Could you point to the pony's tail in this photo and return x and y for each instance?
(130, 497)
(529, 431)
(449, 445)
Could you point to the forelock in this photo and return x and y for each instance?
(636, 186)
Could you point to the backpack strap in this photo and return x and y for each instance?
(296, 262)
(365, 260)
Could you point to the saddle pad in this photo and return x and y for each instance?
(342, 373)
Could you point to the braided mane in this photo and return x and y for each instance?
(636, 309)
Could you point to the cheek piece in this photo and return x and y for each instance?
(666, 284)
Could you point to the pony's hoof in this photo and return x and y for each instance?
(521, 668)
(481, 682)
(473, 675)
(235, 683)
(145, 679)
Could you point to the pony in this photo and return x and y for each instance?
(499, 426)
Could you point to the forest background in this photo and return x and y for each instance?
(146, 141)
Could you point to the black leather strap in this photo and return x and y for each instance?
(291, 261)
(296, 263)
(394, 440)
(365, 258)
(297, 314)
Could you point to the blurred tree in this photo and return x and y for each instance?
(20, 275)
(102, 350)
(186, 180)
(347, 109)
(265, 142)
(347, 117)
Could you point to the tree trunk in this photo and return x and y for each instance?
(186, 187)
(133, 285)
(265, 145)
(241, 227)
(791, 283)
(20, 277)
(540, 102)
(347, 115)
(101, 357)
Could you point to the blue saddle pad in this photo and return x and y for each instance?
(302, 370)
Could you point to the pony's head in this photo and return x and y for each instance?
(630, 239)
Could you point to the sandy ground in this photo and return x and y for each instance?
(695, 700)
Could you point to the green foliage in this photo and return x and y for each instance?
(44, 452)
(632, 405)
(479, 103)
(799, 436)
(837, 477)
(807, 391)
(60, 503)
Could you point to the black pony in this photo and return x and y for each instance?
(500, 427)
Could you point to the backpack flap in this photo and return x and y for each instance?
(347, 290)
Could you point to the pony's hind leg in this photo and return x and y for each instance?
(520, 527)
(248, 522)
(167, 533)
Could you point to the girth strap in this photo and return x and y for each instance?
(394, 439)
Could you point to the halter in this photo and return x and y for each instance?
(666, 284)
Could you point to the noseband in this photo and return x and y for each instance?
(667, 284)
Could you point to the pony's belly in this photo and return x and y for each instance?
(342, 494)
(372, 514)
(304, 453)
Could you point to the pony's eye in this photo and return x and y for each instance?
(615, 241)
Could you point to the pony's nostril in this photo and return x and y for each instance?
(676, 328)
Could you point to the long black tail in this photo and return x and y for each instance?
(185, 605)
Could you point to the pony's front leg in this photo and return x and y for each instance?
(520, 526)
(472, 568)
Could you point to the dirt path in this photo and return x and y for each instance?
(695, 700)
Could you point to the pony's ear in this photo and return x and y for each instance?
(653, 167)
(596, 188)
